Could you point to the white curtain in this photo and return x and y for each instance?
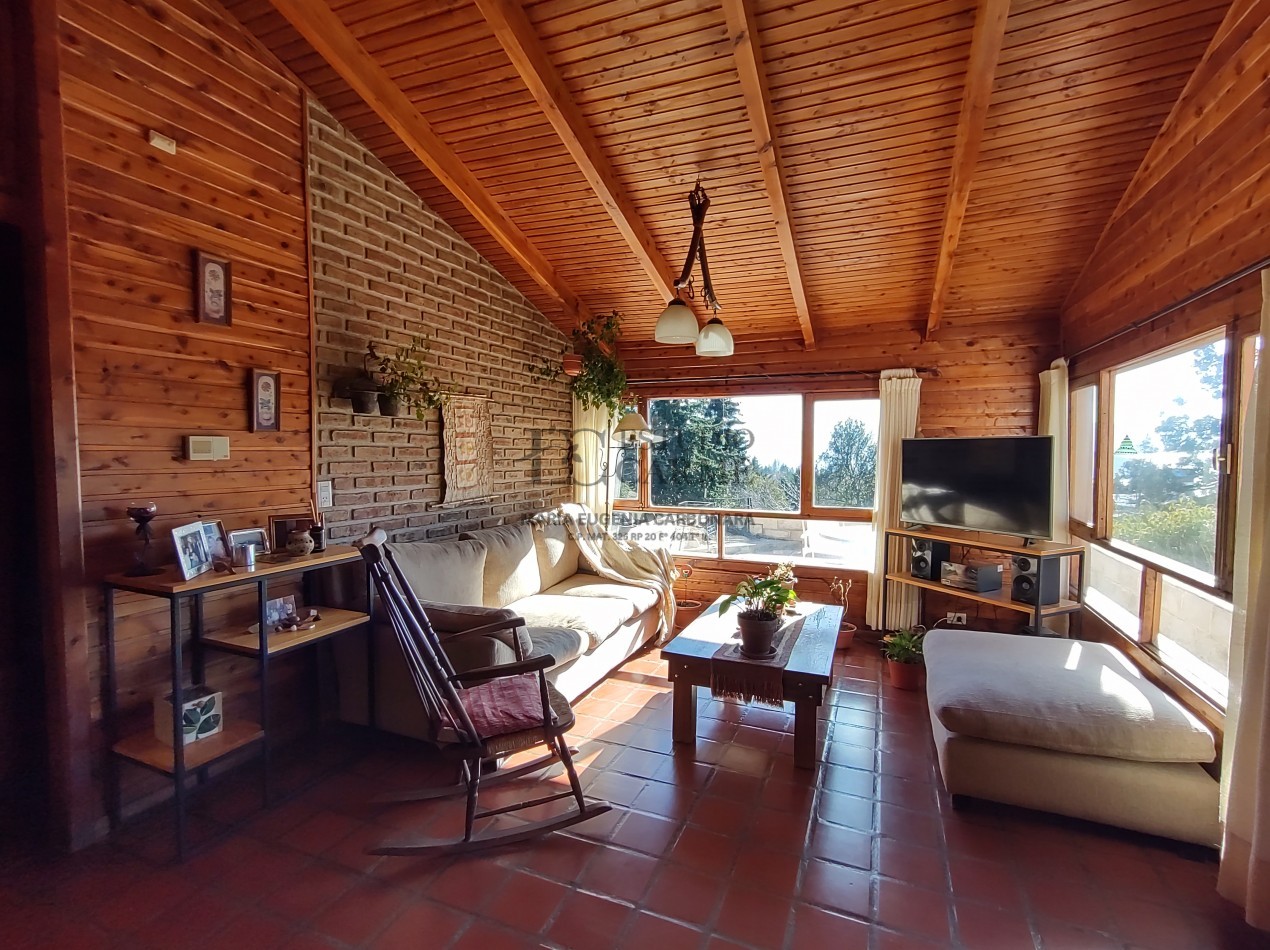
(1244, 876)
(900, 391)
(1052, 420)
(591, 440)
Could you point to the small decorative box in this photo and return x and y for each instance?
(201, 715)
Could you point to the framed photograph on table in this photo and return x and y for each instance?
(191, 550)
(266, 408)
(214, 537)
(213, 289)
(281, 526)
(257, 536)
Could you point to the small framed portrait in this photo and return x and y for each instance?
(215, 539)
(257, 536)
(279, 609)
(281, 526)
(213, 289)
(191, 550)
(265, 400)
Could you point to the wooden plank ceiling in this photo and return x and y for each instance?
(588, 121)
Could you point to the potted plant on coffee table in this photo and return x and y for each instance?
(904, 660)
(764, 600)
(841, 590)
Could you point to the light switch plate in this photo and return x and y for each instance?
(325, 497)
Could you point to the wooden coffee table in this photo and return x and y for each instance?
(807, 675)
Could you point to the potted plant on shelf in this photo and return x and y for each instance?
(841, 591)
(765, 600)
(404, 380)
(903, 652)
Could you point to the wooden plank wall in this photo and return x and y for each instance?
(147, 373)
(9, 210)
(1198, 209)
(980, 378)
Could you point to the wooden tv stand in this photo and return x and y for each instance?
(1041, 550)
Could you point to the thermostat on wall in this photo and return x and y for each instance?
(206, 448)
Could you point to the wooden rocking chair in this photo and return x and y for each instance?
(477, 716)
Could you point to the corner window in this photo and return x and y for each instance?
(1153, 488)
(787, 476)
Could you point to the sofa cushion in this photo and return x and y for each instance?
(596, 617)
(511, 563)
(448, 571)
(557, 553)
(560, 643)
(451, 621)
(589, 585)
(1067, 695)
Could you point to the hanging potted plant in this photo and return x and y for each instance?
(764, 600)
(904, 659)
(601, 378)
(404, 380)
(841, 590)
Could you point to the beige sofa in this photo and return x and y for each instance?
(588, 624)
(1070, 727)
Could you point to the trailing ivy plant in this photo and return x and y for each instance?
(602, 382)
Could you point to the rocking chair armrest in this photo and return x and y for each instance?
(537, 664)
(511, 623)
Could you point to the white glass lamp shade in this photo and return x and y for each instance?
(677, 324)
(714, 340)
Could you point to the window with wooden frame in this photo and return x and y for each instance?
(1153, 450)
(763, 477)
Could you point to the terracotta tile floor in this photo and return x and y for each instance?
(724, 846)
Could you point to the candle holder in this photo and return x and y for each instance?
(143, 513)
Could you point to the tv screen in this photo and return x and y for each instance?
(999, 484)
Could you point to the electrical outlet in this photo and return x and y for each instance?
(324, 495)
(956, 618)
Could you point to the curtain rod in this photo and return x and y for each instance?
(767, 377)
(1172, 308)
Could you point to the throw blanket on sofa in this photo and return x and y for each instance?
(624, 562)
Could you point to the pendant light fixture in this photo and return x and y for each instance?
(677, 323)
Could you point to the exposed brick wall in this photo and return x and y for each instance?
(385, 268)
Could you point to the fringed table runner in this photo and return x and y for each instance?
(733, 675)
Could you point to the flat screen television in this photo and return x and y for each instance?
(999, 484)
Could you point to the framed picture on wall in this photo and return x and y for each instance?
(213, 289)
(265, 400)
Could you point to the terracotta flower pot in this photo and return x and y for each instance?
(572, 364)
(846, 634)
(757, 635)
(905, 675)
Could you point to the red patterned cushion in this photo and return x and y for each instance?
(497, 707)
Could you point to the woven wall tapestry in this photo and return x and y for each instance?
(467, 435)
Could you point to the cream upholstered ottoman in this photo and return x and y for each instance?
(1070, 727)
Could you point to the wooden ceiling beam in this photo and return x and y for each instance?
(524, 48)
(758, 103)
(333, 41)
(985, 48)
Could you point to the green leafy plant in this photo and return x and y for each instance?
(904, 646)
(406, 375)
(602, 381)
(765, 598)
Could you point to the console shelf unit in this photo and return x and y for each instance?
(1040, 550)
(177, 760)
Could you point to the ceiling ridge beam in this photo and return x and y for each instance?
(985, 49)
(520, 41)
(743, 30)
(336, 44)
